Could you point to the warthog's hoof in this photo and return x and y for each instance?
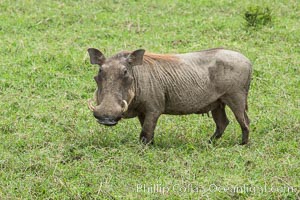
(146, 141)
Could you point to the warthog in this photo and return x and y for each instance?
(146, 85)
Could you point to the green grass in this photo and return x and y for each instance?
(52, 148)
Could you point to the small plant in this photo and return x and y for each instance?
(257, 16)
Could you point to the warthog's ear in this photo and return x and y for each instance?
(136, 57)
(96, 57)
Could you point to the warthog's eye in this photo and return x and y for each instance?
(125, 72)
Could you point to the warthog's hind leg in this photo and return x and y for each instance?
(237, 103)
(221, 120)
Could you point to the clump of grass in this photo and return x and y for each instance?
(257, 16)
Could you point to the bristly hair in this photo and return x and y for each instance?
(150, 58)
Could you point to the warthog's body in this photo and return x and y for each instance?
(177, 84)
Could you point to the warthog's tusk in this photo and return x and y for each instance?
(125, 108)
(90, 102)
(90, 105)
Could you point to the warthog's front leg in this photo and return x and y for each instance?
(148, 122)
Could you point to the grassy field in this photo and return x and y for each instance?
(52, 148)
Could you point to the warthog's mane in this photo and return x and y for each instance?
(151, 58)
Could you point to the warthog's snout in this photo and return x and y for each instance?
(106, 120)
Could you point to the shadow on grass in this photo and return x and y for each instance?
(200, 144)
(162, 142)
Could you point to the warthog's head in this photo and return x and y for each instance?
(115, 84)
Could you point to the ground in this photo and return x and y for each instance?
(52, 148)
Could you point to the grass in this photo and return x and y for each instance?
(52, 148)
